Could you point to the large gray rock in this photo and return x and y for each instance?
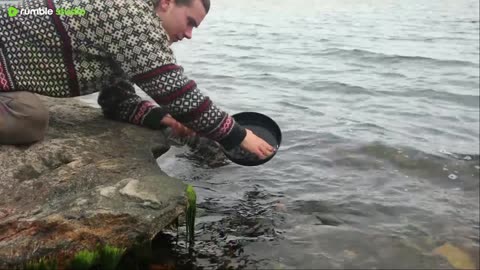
(89, 181)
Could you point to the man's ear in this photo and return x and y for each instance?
(163, 5)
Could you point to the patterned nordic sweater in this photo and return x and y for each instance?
(114, 44)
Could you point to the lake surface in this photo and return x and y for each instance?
(378, 102)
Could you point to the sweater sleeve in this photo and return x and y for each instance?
(120, 102)
(170, 88)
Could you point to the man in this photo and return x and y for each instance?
(106, 46)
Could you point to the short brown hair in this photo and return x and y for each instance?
(206, 3)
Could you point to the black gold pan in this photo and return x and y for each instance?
(262, 126)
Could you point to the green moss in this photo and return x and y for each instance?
(105, 257)
(110, 257)
(84, 260)
(42, 264)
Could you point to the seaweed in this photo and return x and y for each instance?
(190, 215)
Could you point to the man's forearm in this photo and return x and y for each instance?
(120, 102)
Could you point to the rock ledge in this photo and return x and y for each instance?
(90, 181)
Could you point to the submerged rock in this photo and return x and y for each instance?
(90, 181)
(457, 257)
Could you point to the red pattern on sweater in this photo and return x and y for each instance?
(144, 107)
(3, 78)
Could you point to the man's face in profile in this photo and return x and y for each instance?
(179, 20)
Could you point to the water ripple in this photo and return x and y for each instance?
(365, 55)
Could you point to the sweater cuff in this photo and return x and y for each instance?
(234, 138)
(153, 118)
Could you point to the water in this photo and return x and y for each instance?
(378, 102)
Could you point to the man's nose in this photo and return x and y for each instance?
(188, 33)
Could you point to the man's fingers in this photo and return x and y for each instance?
(263, 153)
(267, 150)
(181, 130)
(260, 155)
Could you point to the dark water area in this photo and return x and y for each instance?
(379, 105)
(392, 211)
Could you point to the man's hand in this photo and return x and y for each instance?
(256, 145)
(178, 128)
